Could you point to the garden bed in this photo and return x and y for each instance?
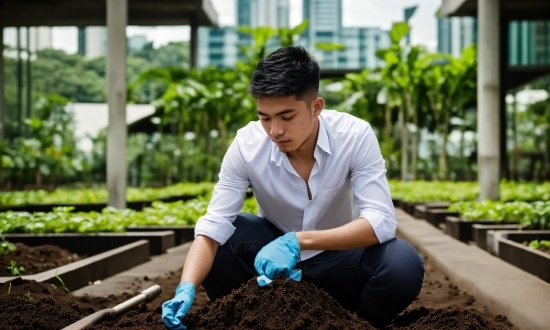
(461, 229)
(283, 304)
(437, 216)
(93, 243)
(182, 234)
(36, 259)
(511, 248)
(86, 270)
(479, 233)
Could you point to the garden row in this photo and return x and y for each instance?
(410, 191)
(90, 246)
(516, 232)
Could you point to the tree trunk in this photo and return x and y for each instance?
(414, 151)
(388, 127)
(443, 153)
(38, 178)
(404, 138)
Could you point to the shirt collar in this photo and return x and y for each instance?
(277, 156)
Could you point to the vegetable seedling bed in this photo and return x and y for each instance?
(511, 249)
(89, 207)
(461, 229)
(97, 266)
(93, 243)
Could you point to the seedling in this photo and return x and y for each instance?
(15, 271)
(27, 296)
(5, 245)
(9, 288)
(62, 283)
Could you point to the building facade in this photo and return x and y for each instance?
(529, 41)
(219, 47)
(456, 33)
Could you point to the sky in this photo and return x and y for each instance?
(361, 13)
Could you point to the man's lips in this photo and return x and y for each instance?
(281, 142)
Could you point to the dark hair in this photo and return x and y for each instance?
(285, 72)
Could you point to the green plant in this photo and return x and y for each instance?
(62, 283)
(5, 244)
(9, 288)
(14, 270)
(27, 296)
(542, 245)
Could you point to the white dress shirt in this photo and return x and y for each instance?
(348, 181)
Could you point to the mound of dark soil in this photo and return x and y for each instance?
(36, 259)
(284, 304)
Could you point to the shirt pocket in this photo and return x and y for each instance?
(335, 206)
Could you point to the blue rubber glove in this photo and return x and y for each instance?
(278, 257)
(173, 311)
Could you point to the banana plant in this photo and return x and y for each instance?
(451, 85)
(403, 71)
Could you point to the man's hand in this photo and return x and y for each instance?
(173, 311)
(278, 257)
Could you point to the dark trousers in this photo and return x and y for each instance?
(377, 282)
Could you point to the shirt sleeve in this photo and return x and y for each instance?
(370, 186)
(227, 197)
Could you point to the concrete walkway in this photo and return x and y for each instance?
(158, 266)
(505, 289)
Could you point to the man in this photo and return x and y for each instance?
(324, 200)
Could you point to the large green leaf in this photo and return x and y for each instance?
(398, 31)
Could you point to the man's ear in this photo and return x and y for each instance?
(317, 106)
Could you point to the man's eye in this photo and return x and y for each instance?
(264, 119)
(288, 118)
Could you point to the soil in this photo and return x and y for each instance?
(283, 304)
(36, 259)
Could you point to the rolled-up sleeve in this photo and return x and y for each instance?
(370, 186)
(227, 198)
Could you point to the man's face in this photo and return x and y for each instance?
(291, 124)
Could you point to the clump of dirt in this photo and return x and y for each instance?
(282, 304)
(443, 319)
(28, 305)
(36, 259)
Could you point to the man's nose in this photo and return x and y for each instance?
(276, 128)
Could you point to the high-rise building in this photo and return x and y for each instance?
(456, 33)
(254, 13)
(361, 45)
(529, 41)
(325, 26)
(92, 41)
(219, 46)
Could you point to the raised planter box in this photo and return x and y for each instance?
(512, 250)
(396, 202)
(91, 244)
(437, 216)
(461, 229)
(420, 212)
(182, 234)
(96, 267)
(479, 232)
(408, 206)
